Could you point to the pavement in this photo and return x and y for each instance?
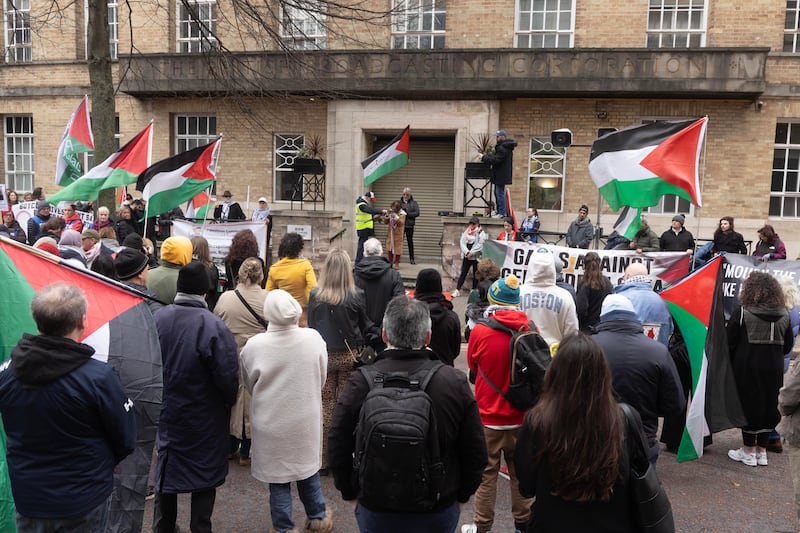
(712, 494)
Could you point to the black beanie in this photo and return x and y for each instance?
(129, 263)
(193, 279)
(428, 281)
(133, 240)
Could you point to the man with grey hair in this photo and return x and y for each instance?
(381, 283)
(462, 447)
(411, 207)
(67, 419)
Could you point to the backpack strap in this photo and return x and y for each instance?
(376, 378)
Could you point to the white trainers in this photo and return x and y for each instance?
(469, 528)
(747, 458)
(761, 459)
(456, 293)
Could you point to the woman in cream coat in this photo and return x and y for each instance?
(284, 369)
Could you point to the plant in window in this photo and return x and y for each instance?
(313, 148)
(482, 143)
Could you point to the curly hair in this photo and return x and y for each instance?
(291, 245)
(487, 269)
(592, 274)
(243, 245)
(761, 289)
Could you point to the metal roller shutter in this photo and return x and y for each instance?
(429, 175)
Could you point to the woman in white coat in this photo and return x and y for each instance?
(284, 369)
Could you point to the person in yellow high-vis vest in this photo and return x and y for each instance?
(364, 225)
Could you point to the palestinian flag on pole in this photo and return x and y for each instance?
(637, 166)
(77, 139)
(199, 206)
(388, 159)
(121, 168)
(122, 331)
(179, 178)
(695, 303)
(629, 222)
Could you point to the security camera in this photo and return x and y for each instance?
(561, 137)
(759, 105)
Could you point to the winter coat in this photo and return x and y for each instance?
(502, 162)
(445, 327)
(730, 242)
(380, 282)
(758, 338)
(163, 281)
(295, 276)
(411, 207)
(394, 234)
(243, 325)
(650, 308)
(643, 372)
(284, 369)
(347, 321)
(645, 240)
(788, 403)
(67, 421)
(549, 306)
(234, 212)
(528, 229)
(488, 350)
(680, 242)
(152, 301)
(461, 441)
(14, 231)
(200, 384)
(588, 303)
(580, 233)
(35, 224)
(776, 250)
(124, 227)
(474, 248)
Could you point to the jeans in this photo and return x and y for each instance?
(165, 512)
(363, 235)
(441, 521)
(500, 199)
(280, 502)
(94, 521)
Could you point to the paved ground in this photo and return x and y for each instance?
(713, 494)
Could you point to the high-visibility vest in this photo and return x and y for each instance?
(363, 220)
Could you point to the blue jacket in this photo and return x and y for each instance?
(650, 308)
(68, 423)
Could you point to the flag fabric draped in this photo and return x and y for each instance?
(638, 165)
(388, 159)
(629, 222)
(177, 179)
(77, 139)
(121, 168)
(695, 303)
(121, 329)
(198, 207)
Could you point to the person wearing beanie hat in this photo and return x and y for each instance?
(643, 371)
(445, 325)
(677, 238)
(133, 270)
(287, 411)
(379, 280)
(175, 253)
(201, 378)
(580, 230)
(37, 221)
(487, 358)
(502, 161)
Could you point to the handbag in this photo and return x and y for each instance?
(650, 505)
(366, 356)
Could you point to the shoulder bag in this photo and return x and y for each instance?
(252, 311)
(365, 357)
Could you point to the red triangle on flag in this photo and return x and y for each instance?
(675, 159)
(204, 167)
(79, 129)
(134, 157)
(685, 293)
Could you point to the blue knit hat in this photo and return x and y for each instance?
(505, 291)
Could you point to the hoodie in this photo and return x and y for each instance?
(445, 327)
(380, 282)
(580, 233)
(547, 305)
(502, 161)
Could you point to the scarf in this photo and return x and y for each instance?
(92, 254)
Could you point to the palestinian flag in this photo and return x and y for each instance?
(388, 159)
(629, 222)
(121, 168)
(77, 139)
(179, 178)
(637, 166)
(122, 331)
(198, 207)
(695, 303)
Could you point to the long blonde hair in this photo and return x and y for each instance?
(336, 278)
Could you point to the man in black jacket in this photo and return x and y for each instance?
(677, 238)
(407, 329)
(502, 162)
(379, 280)
(411, 207)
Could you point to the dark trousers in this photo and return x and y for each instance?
(443, 520)
(409, 232)
(165, 512)
(466, 264)
(750, 439)
(363, 235)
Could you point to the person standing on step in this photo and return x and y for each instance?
(396, 219)
(502, 162)
(411, 207)
(365, 226)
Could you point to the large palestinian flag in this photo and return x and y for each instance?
(695, 303)
(122, 331)
(177, 179)
(77, 139)
(388, 159)
(638, 165)
(629, 222)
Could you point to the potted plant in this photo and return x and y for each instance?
(479, 169)
(308, 159)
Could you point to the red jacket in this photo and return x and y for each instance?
(488, 349)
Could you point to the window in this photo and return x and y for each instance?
(286, 148)
(418, 24)
(791, 31)
(546, 174)
(197, 24)
(304, 29)
(676, 24)
(18, 31)
(545, 24)
(192, 131)
(19, 153)
(784, 198)
(113, 29)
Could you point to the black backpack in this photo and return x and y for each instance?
(529, 357)
(397, 456)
